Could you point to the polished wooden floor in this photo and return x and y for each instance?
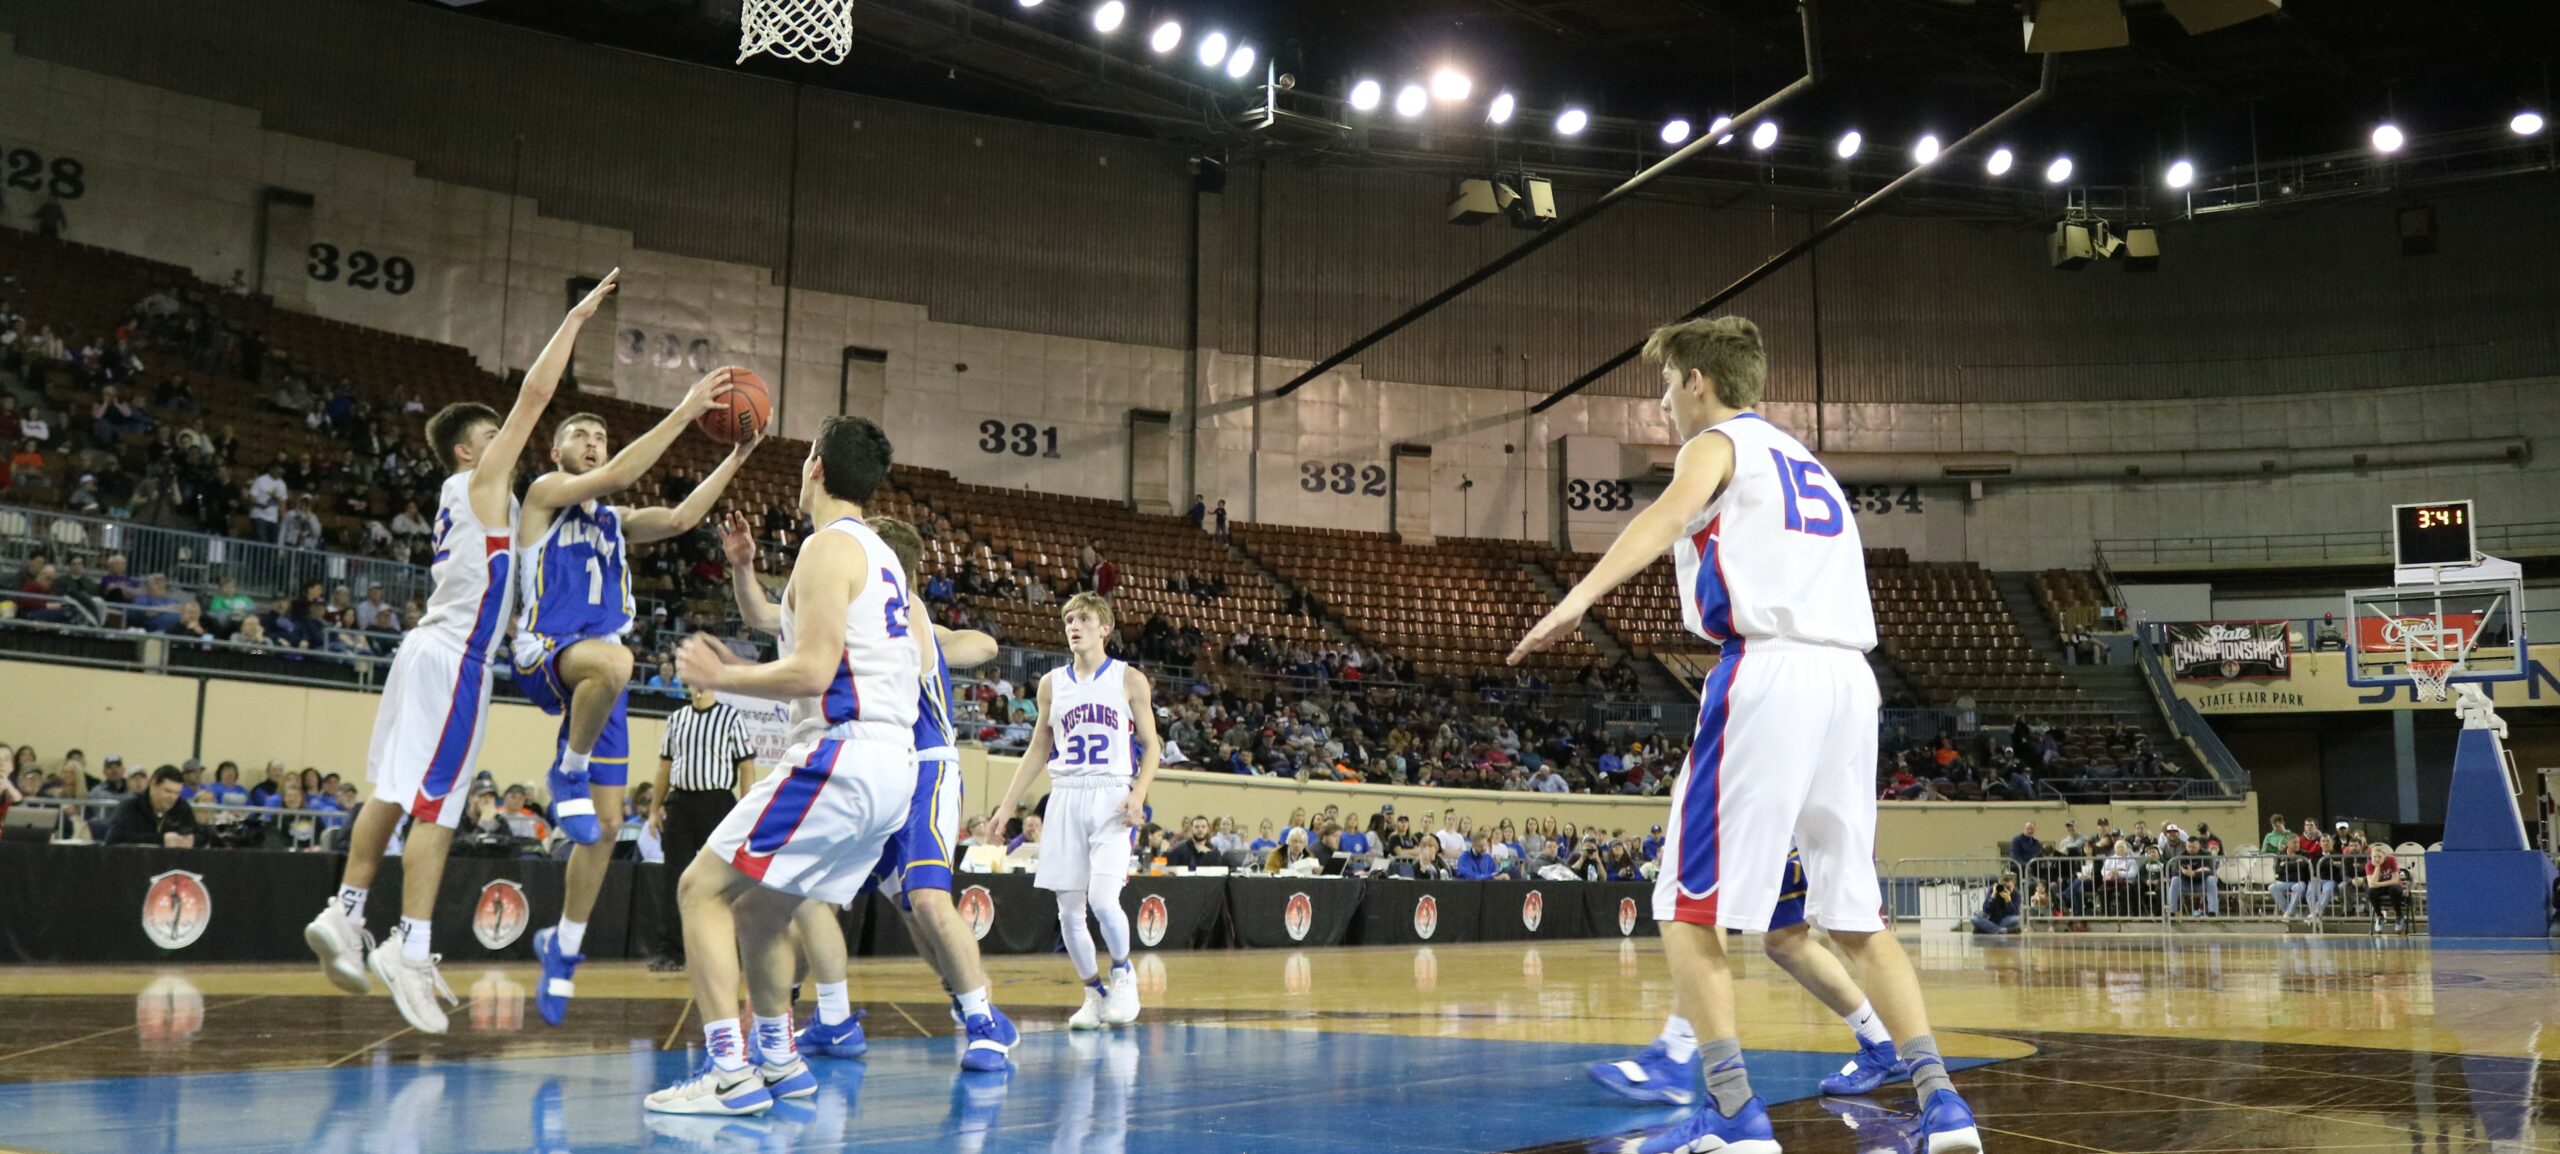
(2096, 1042)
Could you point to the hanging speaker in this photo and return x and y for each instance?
(2075, 25)
(2201, 16)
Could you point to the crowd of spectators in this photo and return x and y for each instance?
(2025, 761)
(1442, 844)
(2177, 873)
(134, 444)
(189, 806)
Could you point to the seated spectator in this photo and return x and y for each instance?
(1478, 863)
(1425, 865)
(190, 624)
(2386, 886)
(225, 788)
(118, 584)
(2192, 874)
(1293, 856)
(1999, 914)
(156, 816)
(1196, 849)
(1262, 843)
(41, 601)
(2328, 635)
(252, 631)
(155, 608)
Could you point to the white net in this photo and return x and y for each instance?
(812, 31)
(2430, 678)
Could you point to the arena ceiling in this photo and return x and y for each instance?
(2310, 80)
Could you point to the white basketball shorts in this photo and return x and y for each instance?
(815, 827)
(426, 731)
(1082, 835)
(1786, 752)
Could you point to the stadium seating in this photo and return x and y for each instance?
(1946, 627)
(1452, 608)
(1455, 607)
(1022, 534)
(2070, 598)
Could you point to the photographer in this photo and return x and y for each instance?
(1999, 908)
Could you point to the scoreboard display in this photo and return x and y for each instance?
(2432, 533)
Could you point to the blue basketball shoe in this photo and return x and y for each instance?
(991, 1039)
(1946, 1126)
(1874, 1066)
(842, 1040)
(558, 973)
(573, 809)
(1650, 1077)
(1705, 1131)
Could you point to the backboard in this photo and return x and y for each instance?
(2425, 633)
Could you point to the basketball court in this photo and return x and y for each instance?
(2111, 1043)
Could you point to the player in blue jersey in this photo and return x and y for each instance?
(575, 581)
(435, 703)
(915, 867)
(1667, 1071)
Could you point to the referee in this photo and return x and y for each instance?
(706, 750)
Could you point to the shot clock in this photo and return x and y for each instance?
(2432, 533)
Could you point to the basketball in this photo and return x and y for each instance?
(741, 412)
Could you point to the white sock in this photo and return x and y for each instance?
(1679, 1038)
(574, 763)
(773, 1039)
(572, 937)
(1870, 1028)
(975, 1004)
(721, 1038)
(351, 899)
(416, 936)
(834, 1004)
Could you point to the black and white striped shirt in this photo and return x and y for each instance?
(706, 746)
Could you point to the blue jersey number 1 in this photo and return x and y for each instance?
(1796, 475)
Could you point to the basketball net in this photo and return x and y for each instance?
(2430, 677)
(811, 31)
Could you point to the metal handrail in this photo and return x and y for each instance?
(2360, 547)
(196, 559)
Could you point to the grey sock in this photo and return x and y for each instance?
(1928, 1071)
(1726, 1079)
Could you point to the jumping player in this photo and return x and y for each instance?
(1770, 564)
(573, 559)
(813, 831)
(915, 867)
(1667, 1071)
(426, 732)
(1089, 708)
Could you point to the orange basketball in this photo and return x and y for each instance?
(740, 412)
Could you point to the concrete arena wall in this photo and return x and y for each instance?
(180, 179)
(152, 719)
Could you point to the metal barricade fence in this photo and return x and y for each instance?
(200, 559)
(1939, 893)
(2077, 892)
(2332, 894)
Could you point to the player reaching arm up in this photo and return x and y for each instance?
(738, 544)
(824, 581)
(574, 567)
(492, 489)
(435, 699)
(657, 523)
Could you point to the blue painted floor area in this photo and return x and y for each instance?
(1158, 1089)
